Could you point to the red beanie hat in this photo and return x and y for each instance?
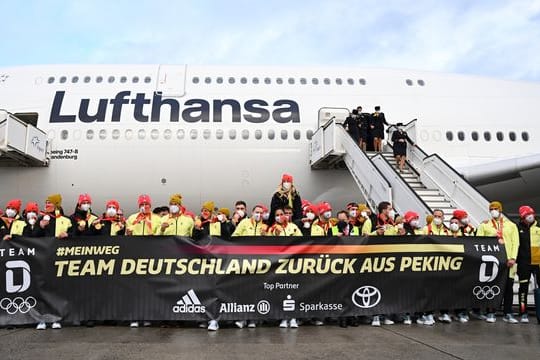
(311, 208)
(324, 207)
(84, 198)
(32, 206)
(265, 209)
(144, 199)
(460, 214)
(14, 204)
(525, 210)
(410, 216)
(113, 203)
(286, 178)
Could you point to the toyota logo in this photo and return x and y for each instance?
(366, 297)
(17, 305)
(486, 292)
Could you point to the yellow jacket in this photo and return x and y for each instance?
(249, 227)
(181, 225)
(510, 237)
(433, 229)
(289, 230)
(62, 225)
(367, 227)
(17, 227)
(318, 229)
(139, 227)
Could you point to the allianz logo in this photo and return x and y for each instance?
(189, 304)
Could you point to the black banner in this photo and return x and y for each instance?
(173, 278)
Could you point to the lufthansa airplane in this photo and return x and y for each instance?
(229, 133)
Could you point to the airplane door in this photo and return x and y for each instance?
(172, 80)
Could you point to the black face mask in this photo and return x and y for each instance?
(341, 225)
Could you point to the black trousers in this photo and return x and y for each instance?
(524, 274)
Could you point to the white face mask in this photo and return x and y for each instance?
(437, 221)
(174, 209)
(327, 214)
(142, 209)
(31, 215)
(529, 218)
(11, 213)
(364, 214)
(287, 185)
(278, 219)
(240, 213)
(415, 224)
(392, 214)
(111, 212)
(465, 221)
(221, 217)
(352, 213)
(256, 216)
(85, 207)
(32, 221)
(310, 215)
(454, 227)
(266, 216)
(307, 224)
(495, 214)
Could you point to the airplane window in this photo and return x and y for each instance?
(267, 81)
(63, 79)
(154, 134)
(421, 82)
(500, 136)
(128, 134)
(271, 134)
(180, 134)
(309, 134)
(362, 81)
(195, 80)
(111, 79)
(339, 81)
(115, 134)
(147, 79)
(123, 79)
(102, 134)
(208, 80)
(291, 81)
(279, 81)
(461, 135)
(64, 134)
(296, 134)
(408, 82)
(50, 80)
(75, 79)
(141, 134)
(232, 134)
(193, 134)
(219, 80)
(525, 136)
(99, 79)
(89, 134)
(243, 80)
(206, 134)
(350, 81)
(303, 81)
(326, 81)
(87, 79)
(231, 80)
(135, 79)
(255, 80)
(487, 136)
(258, 134)
(245, 134)
(167, 134)
(474, 136)
(512, 136)
(219, 134)
(449, 135)
(284, 134)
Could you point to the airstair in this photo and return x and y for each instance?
(21, 144)
(427, 182)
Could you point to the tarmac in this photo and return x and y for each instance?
(474, 340)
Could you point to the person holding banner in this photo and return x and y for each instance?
(324, 223)
(53, 221)
(111, 223)
(385, 220)
(253, 226)
(466, 228)
(363, 220)
(283, 226)
(13, 207)
(176, 222)
(343, 227)
(508, 235)
(143, 222)
(411, 223)
(437, 226)
(310, 213)
(82, 218)
(27, 224)
(528, 258)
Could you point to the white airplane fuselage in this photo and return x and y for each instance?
(179, 129)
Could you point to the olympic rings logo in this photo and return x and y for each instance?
(18, 304)
(486, 292)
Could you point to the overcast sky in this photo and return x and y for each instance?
(481, 37)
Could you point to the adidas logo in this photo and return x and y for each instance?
(189, 304)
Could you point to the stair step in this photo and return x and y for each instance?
(427, 198)
(438, 204)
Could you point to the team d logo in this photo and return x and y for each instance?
(366, 297)
(488, 269)
(17, 276)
